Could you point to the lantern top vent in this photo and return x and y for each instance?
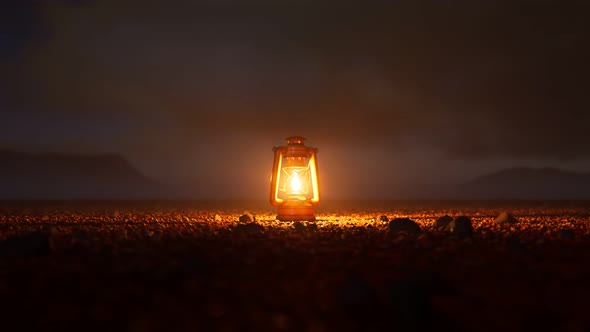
(295, 140)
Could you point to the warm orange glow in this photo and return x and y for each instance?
(314, 180)
(295, 183)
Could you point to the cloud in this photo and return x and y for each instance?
(473, 81)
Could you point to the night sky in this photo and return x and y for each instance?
(393, 93)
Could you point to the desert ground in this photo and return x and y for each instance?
(230, 266)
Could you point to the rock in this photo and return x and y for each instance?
(383, 218)
(312, 227)
(404, 225)
(505, 218)
(247, 217)
(299, 227)
(249, 228)
(461, 227)
(443, 222)
(29, 244)
(218, 217)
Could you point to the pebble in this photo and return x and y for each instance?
(404, 225)
(247, 217)
(505, 218)
(217, 217)
(461, 227)
(383, 218)
(237, 260)
(249, 228)
(443, 222)
(299, 227)
(312, 227)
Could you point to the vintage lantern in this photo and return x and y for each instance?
(294, 184)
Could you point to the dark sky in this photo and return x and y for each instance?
(393, 93)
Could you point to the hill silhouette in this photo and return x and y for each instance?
(62, 176)
(110, 176)
(528, 183)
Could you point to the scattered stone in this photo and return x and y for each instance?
(404, 225)
(29, 244)
(247, 217)
(443, 222)
(214, 261)
(505, 218)
(461, 227)
(249, 228)
(217, 217)
(383, 218)
(312, 227)
(299, 227)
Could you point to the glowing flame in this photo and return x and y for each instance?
(295, 182)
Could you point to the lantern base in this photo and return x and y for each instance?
(295, 213)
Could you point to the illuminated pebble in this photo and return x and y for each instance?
(247, 217)
(505, 218)
(443, 221)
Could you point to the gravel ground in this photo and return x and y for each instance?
(192, 266)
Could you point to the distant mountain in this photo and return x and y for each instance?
(528, 183)
(110, 176)
(62, 176)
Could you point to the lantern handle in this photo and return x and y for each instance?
(295, 140)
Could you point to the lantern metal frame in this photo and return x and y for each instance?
(295, 160)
